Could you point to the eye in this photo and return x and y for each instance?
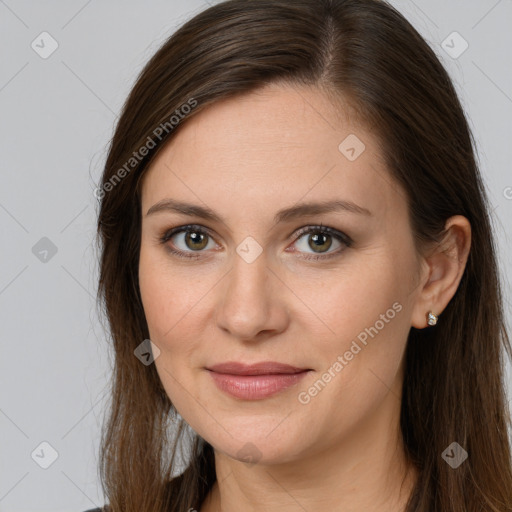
(192, 239)
(195, 238)
(320, 240)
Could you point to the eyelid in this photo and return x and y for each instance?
(312, 228)
(343, 238)
(166, 234)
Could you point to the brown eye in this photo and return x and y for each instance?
(191, 241)
(195, 240)
(187, 240)
(319, 240)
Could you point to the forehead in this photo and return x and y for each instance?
(274, 146)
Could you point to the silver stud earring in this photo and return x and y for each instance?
(432, 318)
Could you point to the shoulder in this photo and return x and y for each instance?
(95, 510)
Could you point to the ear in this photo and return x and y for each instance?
(444, 266)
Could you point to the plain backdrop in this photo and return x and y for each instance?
(58, 112)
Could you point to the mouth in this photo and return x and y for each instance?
(262, 368)
(256, 381)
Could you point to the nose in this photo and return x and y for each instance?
(251, 304)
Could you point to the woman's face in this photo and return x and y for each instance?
(252, 285)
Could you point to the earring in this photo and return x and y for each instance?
(432, 318)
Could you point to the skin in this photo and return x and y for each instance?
(246, 158)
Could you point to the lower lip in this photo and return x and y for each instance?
(255, 387)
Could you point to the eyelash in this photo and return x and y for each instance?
(341, 237)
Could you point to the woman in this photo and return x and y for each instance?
(298, 270)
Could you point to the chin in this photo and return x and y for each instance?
(258, 442)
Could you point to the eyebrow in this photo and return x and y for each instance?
(284, 215)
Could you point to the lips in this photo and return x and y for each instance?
(255, 381)
(262, 368)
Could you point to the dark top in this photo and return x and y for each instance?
(94, 510)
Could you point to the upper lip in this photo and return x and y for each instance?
(262, 368)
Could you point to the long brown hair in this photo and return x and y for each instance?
(358, 50)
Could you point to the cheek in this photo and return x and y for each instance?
(168, 295)
(174, 298)
(361, 361)
(351, 299)
(365, 322)
(168, 311)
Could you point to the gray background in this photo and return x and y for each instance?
(57, 117)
